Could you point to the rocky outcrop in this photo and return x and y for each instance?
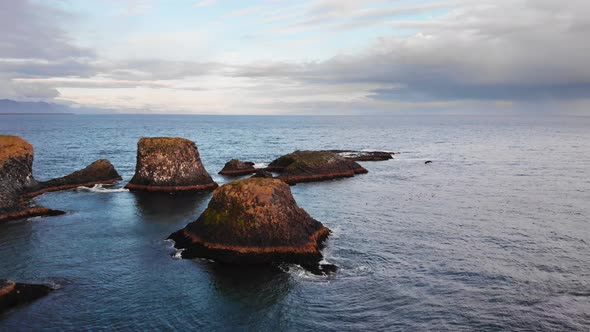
(263, 174)
(99, 172)
(17, 182)
(309, 166)
(13, 294)
(364, 155)
(254, 221)
(169, 164)
(236, 167)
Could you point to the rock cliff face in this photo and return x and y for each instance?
(236, 167)
(16, 179)
(13, 294)
(254, 221)
(17, 182)
(169, 164)
(309, 166)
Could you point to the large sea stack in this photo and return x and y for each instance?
(17, 183)
(309, 166)
(169, 164)
(237, 167)
(13, 294)
(16, 180)
(254, 221)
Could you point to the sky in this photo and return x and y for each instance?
(299, 57)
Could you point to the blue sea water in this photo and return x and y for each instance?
(494, 235)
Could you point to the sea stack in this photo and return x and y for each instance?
(16, 180)
(13, 294)
(254, 221)
(237, 167)
(169, 164)
(309, 166)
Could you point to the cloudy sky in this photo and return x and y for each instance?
(299, 57)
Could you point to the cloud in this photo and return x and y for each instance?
(416, 55)
(485, 50)
(32, 44)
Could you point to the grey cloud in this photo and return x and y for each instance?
(502, 49)
(30, 30)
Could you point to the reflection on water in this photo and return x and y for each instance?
(250, 286)
(163, 207)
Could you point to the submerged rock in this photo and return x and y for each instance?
(263, 174)
(169, 164)
(13, 294)
(254, 221)
(17, 182)
(99, 172)
(364, 155)
(236, 167)
(308, 166)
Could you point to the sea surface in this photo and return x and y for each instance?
(493, 235)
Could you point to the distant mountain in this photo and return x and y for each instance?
(11, 106)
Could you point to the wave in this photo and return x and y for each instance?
(260, 165)
(99, 188)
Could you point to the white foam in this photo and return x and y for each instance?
(178, 254)
(98, 188)
(260, 165)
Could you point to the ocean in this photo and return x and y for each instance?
(493, 235)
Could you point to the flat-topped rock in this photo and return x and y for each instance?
(237, 167)
(364, 155)
(13, 294)
(254, 221)
(169, 164)
(309, 166)
(99, 172)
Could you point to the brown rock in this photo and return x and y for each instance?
(254, 221)
(236, 167)
(99, 172)
(169, 164)
(309, 166)
(16, 179)
(13, 294)
(263, 174)
(17, 182)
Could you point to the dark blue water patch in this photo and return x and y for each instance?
(462, 244)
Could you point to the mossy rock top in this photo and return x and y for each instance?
(13, 146)
(255, 212)
(169, 163)
(304, 166)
